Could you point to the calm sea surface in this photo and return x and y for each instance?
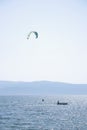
(30, 113)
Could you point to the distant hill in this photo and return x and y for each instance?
(41, 88)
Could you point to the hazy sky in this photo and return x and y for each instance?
(60, 52)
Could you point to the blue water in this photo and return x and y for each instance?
(30, 113)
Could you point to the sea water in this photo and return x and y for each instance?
(31, 113)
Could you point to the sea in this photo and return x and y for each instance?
(43, 113)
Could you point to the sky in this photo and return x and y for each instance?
(60, 52)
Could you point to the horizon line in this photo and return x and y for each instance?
(42, 81)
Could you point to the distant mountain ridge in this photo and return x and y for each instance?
(41, 88)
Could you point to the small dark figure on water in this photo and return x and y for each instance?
(42, 100)
(57, 102)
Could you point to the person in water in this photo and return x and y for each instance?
(57, 102)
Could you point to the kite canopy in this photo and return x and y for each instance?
(36, 34)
